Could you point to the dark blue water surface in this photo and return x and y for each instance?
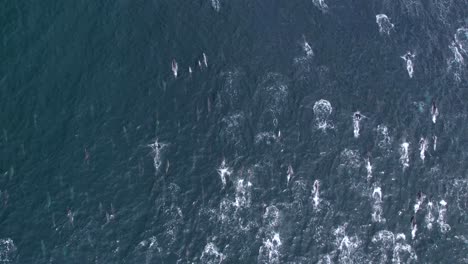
(258, 156)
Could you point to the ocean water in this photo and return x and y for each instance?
(309, 131)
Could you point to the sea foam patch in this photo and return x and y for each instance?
(322, 111)
(384, 24)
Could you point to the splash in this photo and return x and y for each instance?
(216, 5)
(408, 58)
(419, 201)
(434, 112)
(7, 250)
(175, 68)
(205, 60)
(320, 4)
(307, 49)
(377, 205)
(384, 24)
(442, 219)
(404, 152)
(224, 171)
(429, 218)
(211, 254)
(290, 173)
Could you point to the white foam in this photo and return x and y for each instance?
(457, 57)
(269, 252)
(346, 246)
(271, 216)
(231, 128)
(456, 62)
(327, 259)
(265, 137)
(384, 24)
(175, 68)
(224, 171)
(7, 250)
(382, 244)
(242, 198)
(461, 38)
(350, 159)
(216, 5)
(408, 58)
(402, 252)
(322, 110)
(321, 5)
(157, 148)
(419, 201)
(211, 254)
(290, 173)
(377, 206)
(404, 152)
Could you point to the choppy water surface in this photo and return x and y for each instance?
(215, 131)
